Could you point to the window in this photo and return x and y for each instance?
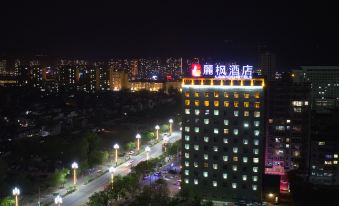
(225, 131)
(236, 104)
(235, 131)
(234, 168)
(187, 138)
(256, 142)
(196, 147)
(205, 174)
(216, 131)
(255, 169)
(226, 94)
(195, 164)
(255, 151)
(225, 122)
(196, 103)
(206, 121)
(226, 103)
(216, 112)
(297, 103)
(246, 124)
(195, 181)
(207, 112)
(187, 146)
(256, 132)
(216, 103)
(216, 94)
(255, 160)
(196, 94)
(246, 104)
(257, 95)
(335, 155)
(196, 111)
(254, 187)
(235, 158)
(224, 175)
(235, 149)
(187, 164)
(245, 141)
(234, 185)
(226, 140)
(187, 155)
(187, 172)
(205, 164)
(244, 177)
(256, 114)
(236, 113)
(187, 94)
(255, 178)
(206, 103)
(321, 143)
(187, 102)
(257, 105)
(196, 129)
(215, 166)
(215, 148)
(244, 159)
(214, 183)
(246, 113)
(205, 139)
(186, 181)
(205, 156)
(246, 95)
(225, 158)
(236, 95)
(206, 94)
(187, 111)
(256, 123)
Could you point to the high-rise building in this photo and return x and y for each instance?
(118, 80)
(223, 131)
(267, 65)
(3, 67)
(102, 77)
(324, 82)
(32, 75)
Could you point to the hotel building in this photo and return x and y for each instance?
(223, 137)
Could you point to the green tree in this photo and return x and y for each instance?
(58, 177)
(7, 201)
(164, 128)
(130, 146)
(97, 157)
(98, 199)
(148, 136)
(174, 148)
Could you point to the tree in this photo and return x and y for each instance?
(130, 146)
(97, 157)
(148, 136)
(7, 201)
(98, 199)
(58, 177)
(164, 128)
(174, 148)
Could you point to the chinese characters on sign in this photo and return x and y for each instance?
(228, 71)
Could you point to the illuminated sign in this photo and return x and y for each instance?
(231, 71)
(196, 70)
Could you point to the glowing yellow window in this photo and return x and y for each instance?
(246, 104)
(216, 103)
(226, 104)
(257, 105)
(187, 102)
(236, 104)
(216, 94)
(205, 164)
(187, 94)
(236, 95)
(196, 94)
(206, 94)
(226, 94)
(225, 131)
(207, 103)
(246, 95)
(257, 95)
(246, 113)
(235, 159)
(196, 103)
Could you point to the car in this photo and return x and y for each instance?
(131, 152)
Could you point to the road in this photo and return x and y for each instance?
(81, 196)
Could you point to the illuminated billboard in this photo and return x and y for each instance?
(231, 71)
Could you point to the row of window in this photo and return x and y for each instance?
(215, 184)
(216, 103)
(226, 131)
(225, 176)
(225, 94)
(216, 112)
(226, 122)
(215, 166)
(225, 140)
(234, 158)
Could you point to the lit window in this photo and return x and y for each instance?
(216, 112)
(215, 184)
(196, 147)
(335, 162)
(225, 131)
(235, 149)
(197, 111)
(270, 121)
(254, 187)
(226, 94)
(206, 121)
(335, 155)
(256, 123)
(187, 102)
(257, 95)
(187, 146)
(256, 142)
(244, 177)
(225, 122)
(255, 178)
(256, 132)
(205, 156)
(244, 159)
(206, 103)
(234, 185)
(236, 113)
(306, 103)
(187, 94)
(255, 169)
(195, 164)
(236, 104)
(235, 159)
(187, 138)
(246, 124)
(234, 168)
(236, 95)
(216, 103)
(256, 114)
(224, 175)
(256, 151)
(321, 143)
(186, 181)
(187, 155)
(225, 158)
(196, 103)
(215, 166)
(216, 131)
(187, 164)
(196, 129)
(225, 140)
(255, 160)
(205, 164)
(205, 139)
(216, 94)
(246, 113)
(205, 174)
(187, 129)
(187, 172)
(235, 131)
(257, 105)
(195, 181)
(246, 104)
(246, 95)
(196, 94)
(215, 148)
(206, 94)
(187, 111)
(207, 112)
(245, 141)
(226, 104)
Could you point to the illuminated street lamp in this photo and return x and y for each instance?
(116, 147)
(75, 166)
(16, 193)
(165, 142)
(112, 170)
(147, 149)
(138, 136)
(58, 200)
(171, 123)
(157, 131)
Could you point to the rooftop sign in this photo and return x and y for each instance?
(231, 71)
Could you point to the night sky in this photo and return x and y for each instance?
(299, 34)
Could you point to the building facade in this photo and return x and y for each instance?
(223, 132)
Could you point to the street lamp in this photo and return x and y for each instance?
(147, 149)
(58, 200)
(157, 131)
(170, 122)
(116, 147)
(165, 142)
(75, 166)
(16, 193)
(138, 136)
(112, 170)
